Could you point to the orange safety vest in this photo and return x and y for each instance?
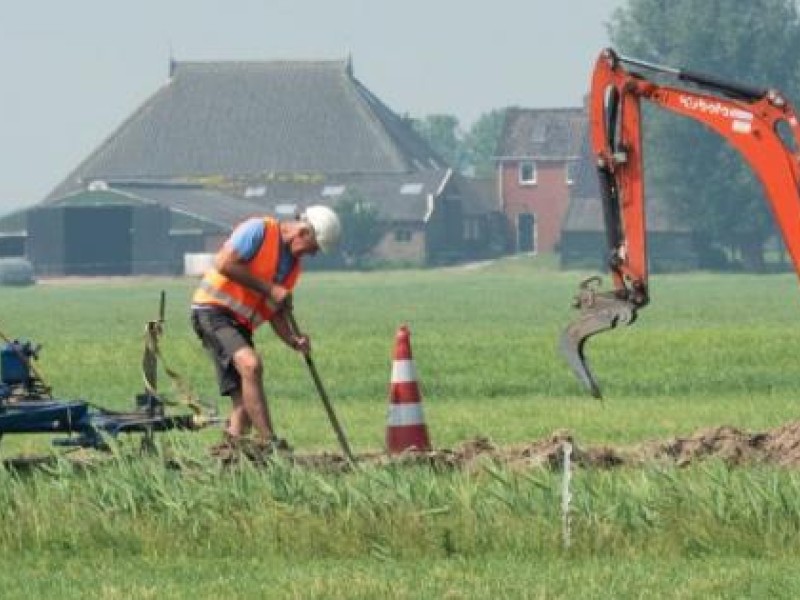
(247, 304)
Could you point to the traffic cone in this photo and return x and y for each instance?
(406, 429)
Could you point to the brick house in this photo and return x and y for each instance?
(536, 154)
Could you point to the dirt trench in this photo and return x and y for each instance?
(779, 447)
(735, 447)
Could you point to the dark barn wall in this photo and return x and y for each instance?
(12, 246)
(667, 252)
(45, 226)
(445, 231)
(97, 240)
(583, 250)
(151, 246)
(671, 252)
(100, 240)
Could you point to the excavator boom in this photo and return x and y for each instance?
(760, 123)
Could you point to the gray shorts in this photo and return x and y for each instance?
(222, 336)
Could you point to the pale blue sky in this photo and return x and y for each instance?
(72, 71)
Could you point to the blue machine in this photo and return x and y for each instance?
(27, 405)
(25, 402)
(14, 362)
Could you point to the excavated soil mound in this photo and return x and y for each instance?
(780, 446)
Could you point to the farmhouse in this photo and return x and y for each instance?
(221, 141)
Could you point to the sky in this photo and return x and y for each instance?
(73, 71)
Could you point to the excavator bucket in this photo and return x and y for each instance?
(599, 311)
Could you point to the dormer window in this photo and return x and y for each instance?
(539, 134)
(255, 191)
(333, 190)
(527, 172)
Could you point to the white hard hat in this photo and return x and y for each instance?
(326, 225)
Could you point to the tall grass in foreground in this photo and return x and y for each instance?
(139, 508)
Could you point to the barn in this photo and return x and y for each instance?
(221, 141)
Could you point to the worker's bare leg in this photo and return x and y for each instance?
(254, 401)
(238, 421)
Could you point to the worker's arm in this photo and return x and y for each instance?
(282, 328)
(229, 263)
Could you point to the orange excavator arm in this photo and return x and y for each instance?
(760, 123)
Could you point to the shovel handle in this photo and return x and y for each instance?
(312, 369)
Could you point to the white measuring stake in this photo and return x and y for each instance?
(566, 495)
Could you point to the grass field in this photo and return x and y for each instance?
(710, 350)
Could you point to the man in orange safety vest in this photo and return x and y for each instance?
(249, 284)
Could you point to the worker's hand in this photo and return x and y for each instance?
(277, 295)
(302, 344)
(288, 302)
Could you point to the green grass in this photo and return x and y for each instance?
(710, 350)
(490, 577)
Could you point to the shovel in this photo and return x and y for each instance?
(322, 394)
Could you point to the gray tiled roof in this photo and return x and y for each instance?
(207, 205)
(483, 197)
(541, 133)
(234, 119)
(396, 196)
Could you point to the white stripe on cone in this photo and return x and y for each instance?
(404, 371)
(401, 415)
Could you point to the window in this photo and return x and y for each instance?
(472, 230)
(527, 172)
(402, 235)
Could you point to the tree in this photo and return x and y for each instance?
(444, 135)
(471, 152)
(361, 229)
(705, 180)
(481, 142)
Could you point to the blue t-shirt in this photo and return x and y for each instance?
(246, 240)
